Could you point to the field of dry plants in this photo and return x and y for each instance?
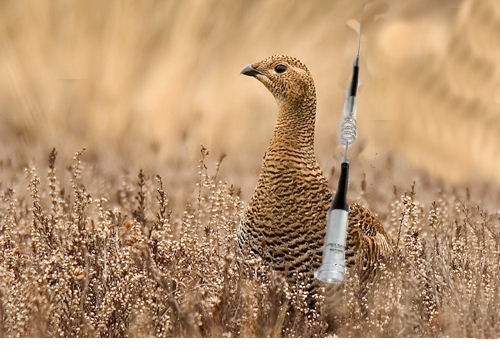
(90, 255)
(116, 222)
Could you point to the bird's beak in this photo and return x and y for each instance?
(250, 71)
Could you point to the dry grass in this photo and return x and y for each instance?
(83, 258)
(162, 76)
(93, 246)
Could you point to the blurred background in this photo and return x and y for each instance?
(144, 83)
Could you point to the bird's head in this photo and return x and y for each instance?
(285, 77)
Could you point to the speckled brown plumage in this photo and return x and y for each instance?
(285, 220)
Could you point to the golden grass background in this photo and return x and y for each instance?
(161, 77)
(141, 85)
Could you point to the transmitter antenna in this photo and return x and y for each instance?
(332, 269)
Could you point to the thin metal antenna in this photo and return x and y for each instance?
(359, 38)
(333, 267)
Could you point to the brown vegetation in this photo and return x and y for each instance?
(95, 247)
(85, 258)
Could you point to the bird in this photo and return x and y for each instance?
(284, 222)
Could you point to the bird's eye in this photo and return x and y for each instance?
(280, 68)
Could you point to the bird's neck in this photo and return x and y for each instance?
(295, 125)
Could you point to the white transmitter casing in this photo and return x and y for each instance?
(332, 269)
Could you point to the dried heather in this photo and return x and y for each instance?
(94, 256)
